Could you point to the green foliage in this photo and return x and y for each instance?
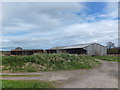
(113, 51)
(108, 58)
(47, 62)
(26, 84)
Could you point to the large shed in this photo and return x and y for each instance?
(26, 51)
(91, 49)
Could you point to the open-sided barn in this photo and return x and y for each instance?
(91, 49)
(26, 51)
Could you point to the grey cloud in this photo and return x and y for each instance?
(53, 24)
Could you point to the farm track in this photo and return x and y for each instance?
(103, 76)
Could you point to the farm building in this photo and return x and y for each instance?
(88, 49)
(20, 51)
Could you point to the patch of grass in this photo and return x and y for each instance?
(20, 75)
(47, 62)
(26, 84)
(109, 58)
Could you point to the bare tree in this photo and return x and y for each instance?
(110, 45)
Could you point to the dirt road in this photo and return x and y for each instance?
(103, 76)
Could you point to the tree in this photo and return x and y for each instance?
(110, 45)
(18, 48)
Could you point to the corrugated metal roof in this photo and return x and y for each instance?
(72, 46)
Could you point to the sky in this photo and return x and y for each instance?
(43, 25)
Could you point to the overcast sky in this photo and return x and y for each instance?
(38, 25)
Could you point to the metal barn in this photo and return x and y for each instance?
(91, 49)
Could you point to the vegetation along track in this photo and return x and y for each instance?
(47, 62)
(103, 76)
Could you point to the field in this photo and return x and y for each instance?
(46, 62)
(26, 84)
(109, 58)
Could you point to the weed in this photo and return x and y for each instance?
(47, 62)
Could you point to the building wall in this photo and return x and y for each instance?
(96, 49)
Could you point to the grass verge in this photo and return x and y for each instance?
(26, 84)
(108, 58)
(20, 75)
